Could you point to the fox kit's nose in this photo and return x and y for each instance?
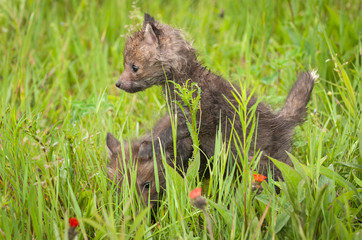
(118, 84)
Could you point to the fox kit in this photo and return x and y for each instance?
(145, 178)
(159, 53)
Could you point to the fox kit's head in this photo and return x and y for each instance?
(152, 55)
(119, 167)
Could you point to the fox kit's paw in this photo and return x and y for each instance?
(146, 150)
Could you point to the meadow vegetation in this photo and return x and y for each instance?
(59, 62)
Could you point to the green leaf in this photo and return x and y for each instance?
(137, 222)
(175, 178)
(140, 233)
(317, 207)
(290, 175)
(193, 169)
(360, 136)
(282, 220)
(303, 170)
(224, 212)
(341, 229)
(357, 180)
(351, 165)
(335, 176)
(347, 196)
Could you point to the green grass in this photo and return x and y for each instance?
(59, 62)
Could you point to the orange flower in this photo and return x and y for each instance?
(259, 178)
(195, 193)
(73, 222)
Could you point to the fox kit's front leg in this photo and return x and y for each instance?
(166, 141)
(166, 138)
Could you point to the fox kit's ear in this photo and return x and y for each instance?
(151, 32)
(148, 19)
(150, 36)
(113, 145)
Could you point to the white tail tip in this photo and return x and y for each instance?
(314, 74)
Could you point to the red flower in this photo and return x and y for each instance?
(195, 193)
(73, 222)
(259, 178)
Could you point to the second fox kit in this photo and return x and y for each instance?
(158, 53)
(145, 175)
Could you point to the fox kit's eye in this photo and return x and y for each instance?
(147, 186)
(134, 68)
